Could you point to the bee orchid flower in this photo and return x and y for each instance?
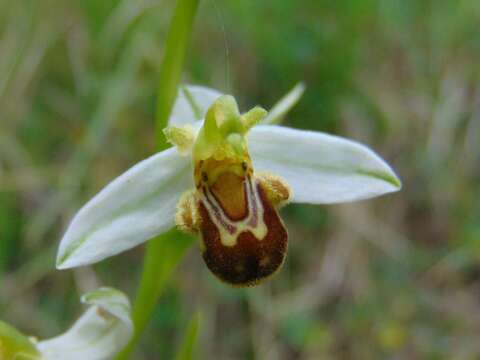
(224, 179)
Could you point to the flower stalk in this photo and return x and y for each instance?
(165, 251)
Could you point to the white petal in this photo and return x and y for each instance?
(321, 168)
(133, 208)
(102, 331)
(283, 106)
(184, 113)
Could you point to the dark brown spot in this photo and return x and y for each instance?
(250, 260)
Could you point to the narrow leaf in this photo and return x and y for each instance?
(187, 349)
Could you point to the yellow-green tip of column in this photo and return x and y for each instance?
(224, 130)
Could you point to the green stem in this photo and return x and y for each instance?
(164, 252)
(171, 68)
(187, 349)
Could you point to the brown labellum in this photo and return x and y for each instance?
(244, 238)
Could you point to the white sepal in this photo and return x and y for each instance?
(321, 168)
(133, 208)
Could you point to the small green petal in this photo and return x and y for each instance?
(253, 117)
(284, 105)
(181, 137)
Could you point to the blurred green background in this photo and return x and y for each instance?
(396, 277)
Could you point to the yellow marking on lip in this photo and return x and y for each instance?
(230, 229)
(229, 191)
